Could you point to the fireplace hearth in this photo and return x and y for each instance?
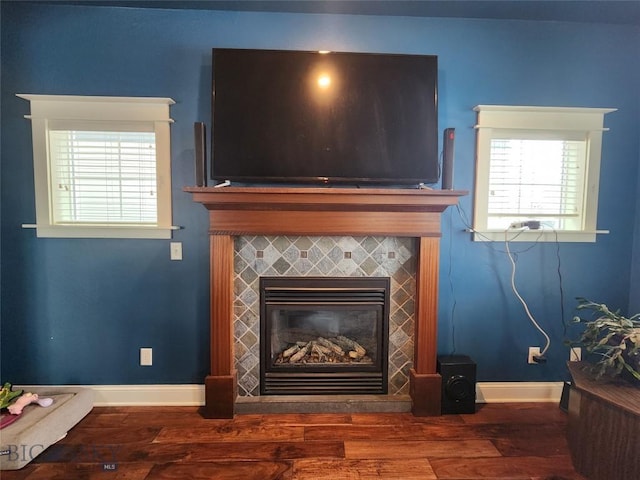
(324, 335)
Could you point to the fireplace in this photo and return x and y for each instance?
(238, 211)
(324, 335)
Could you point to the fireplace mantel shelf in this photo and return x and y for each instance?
(324, 211)
(330, 211)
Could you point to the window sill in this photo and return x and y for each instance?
(98, 231)
(542, 235)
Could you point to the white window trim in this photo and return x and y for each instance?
(128, 110)
(588, 120)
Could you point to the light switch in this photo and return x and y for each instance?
(146, 357)
(176, 250)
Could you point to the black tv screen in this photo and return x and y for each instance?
(311, 117)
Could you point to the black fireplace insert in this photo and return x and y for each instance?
(324, 335)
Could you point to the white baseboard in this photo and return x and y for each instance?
(138, 395)
(148, 395)
(503, 392)
(193, 395)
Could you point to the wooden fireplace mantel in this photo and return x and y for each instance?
(328, 211)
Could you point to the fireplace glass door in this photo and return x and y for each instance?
(324, 335)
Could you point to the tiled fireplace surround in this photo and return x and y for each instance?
(323, 232)
(301, 256)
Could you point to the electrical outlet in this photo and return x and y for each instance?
(533, 352)
(146, 357)
(575, 354)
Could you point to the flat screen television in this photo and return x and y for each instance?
(324, 118)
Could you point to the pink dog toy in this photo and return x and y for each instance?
(16, 407)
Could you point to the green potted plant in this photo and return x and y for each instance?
(611, 340)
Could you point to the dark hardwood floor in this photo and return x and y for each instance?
(500, 441)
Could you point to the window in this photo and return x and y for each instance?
(101, 166)
(538, 163)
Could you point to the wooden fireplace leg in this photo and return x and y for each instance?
(220, 385)
(220, 394)
(425, 391)
(425, 384)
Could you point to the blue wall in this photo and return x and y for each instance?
(634, 292)
(77, 311)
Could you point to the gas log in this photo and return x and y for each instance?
(338, 349)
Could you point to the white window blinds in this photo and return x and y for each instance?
(542, 179)
(103, 177)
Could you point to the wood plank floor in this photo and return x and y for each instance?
(522, 441)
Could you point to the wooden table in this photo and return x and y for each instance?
(604, 426)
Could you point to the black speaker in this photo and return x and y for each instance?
(200, 134)
(458, 383)
(448, 139)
